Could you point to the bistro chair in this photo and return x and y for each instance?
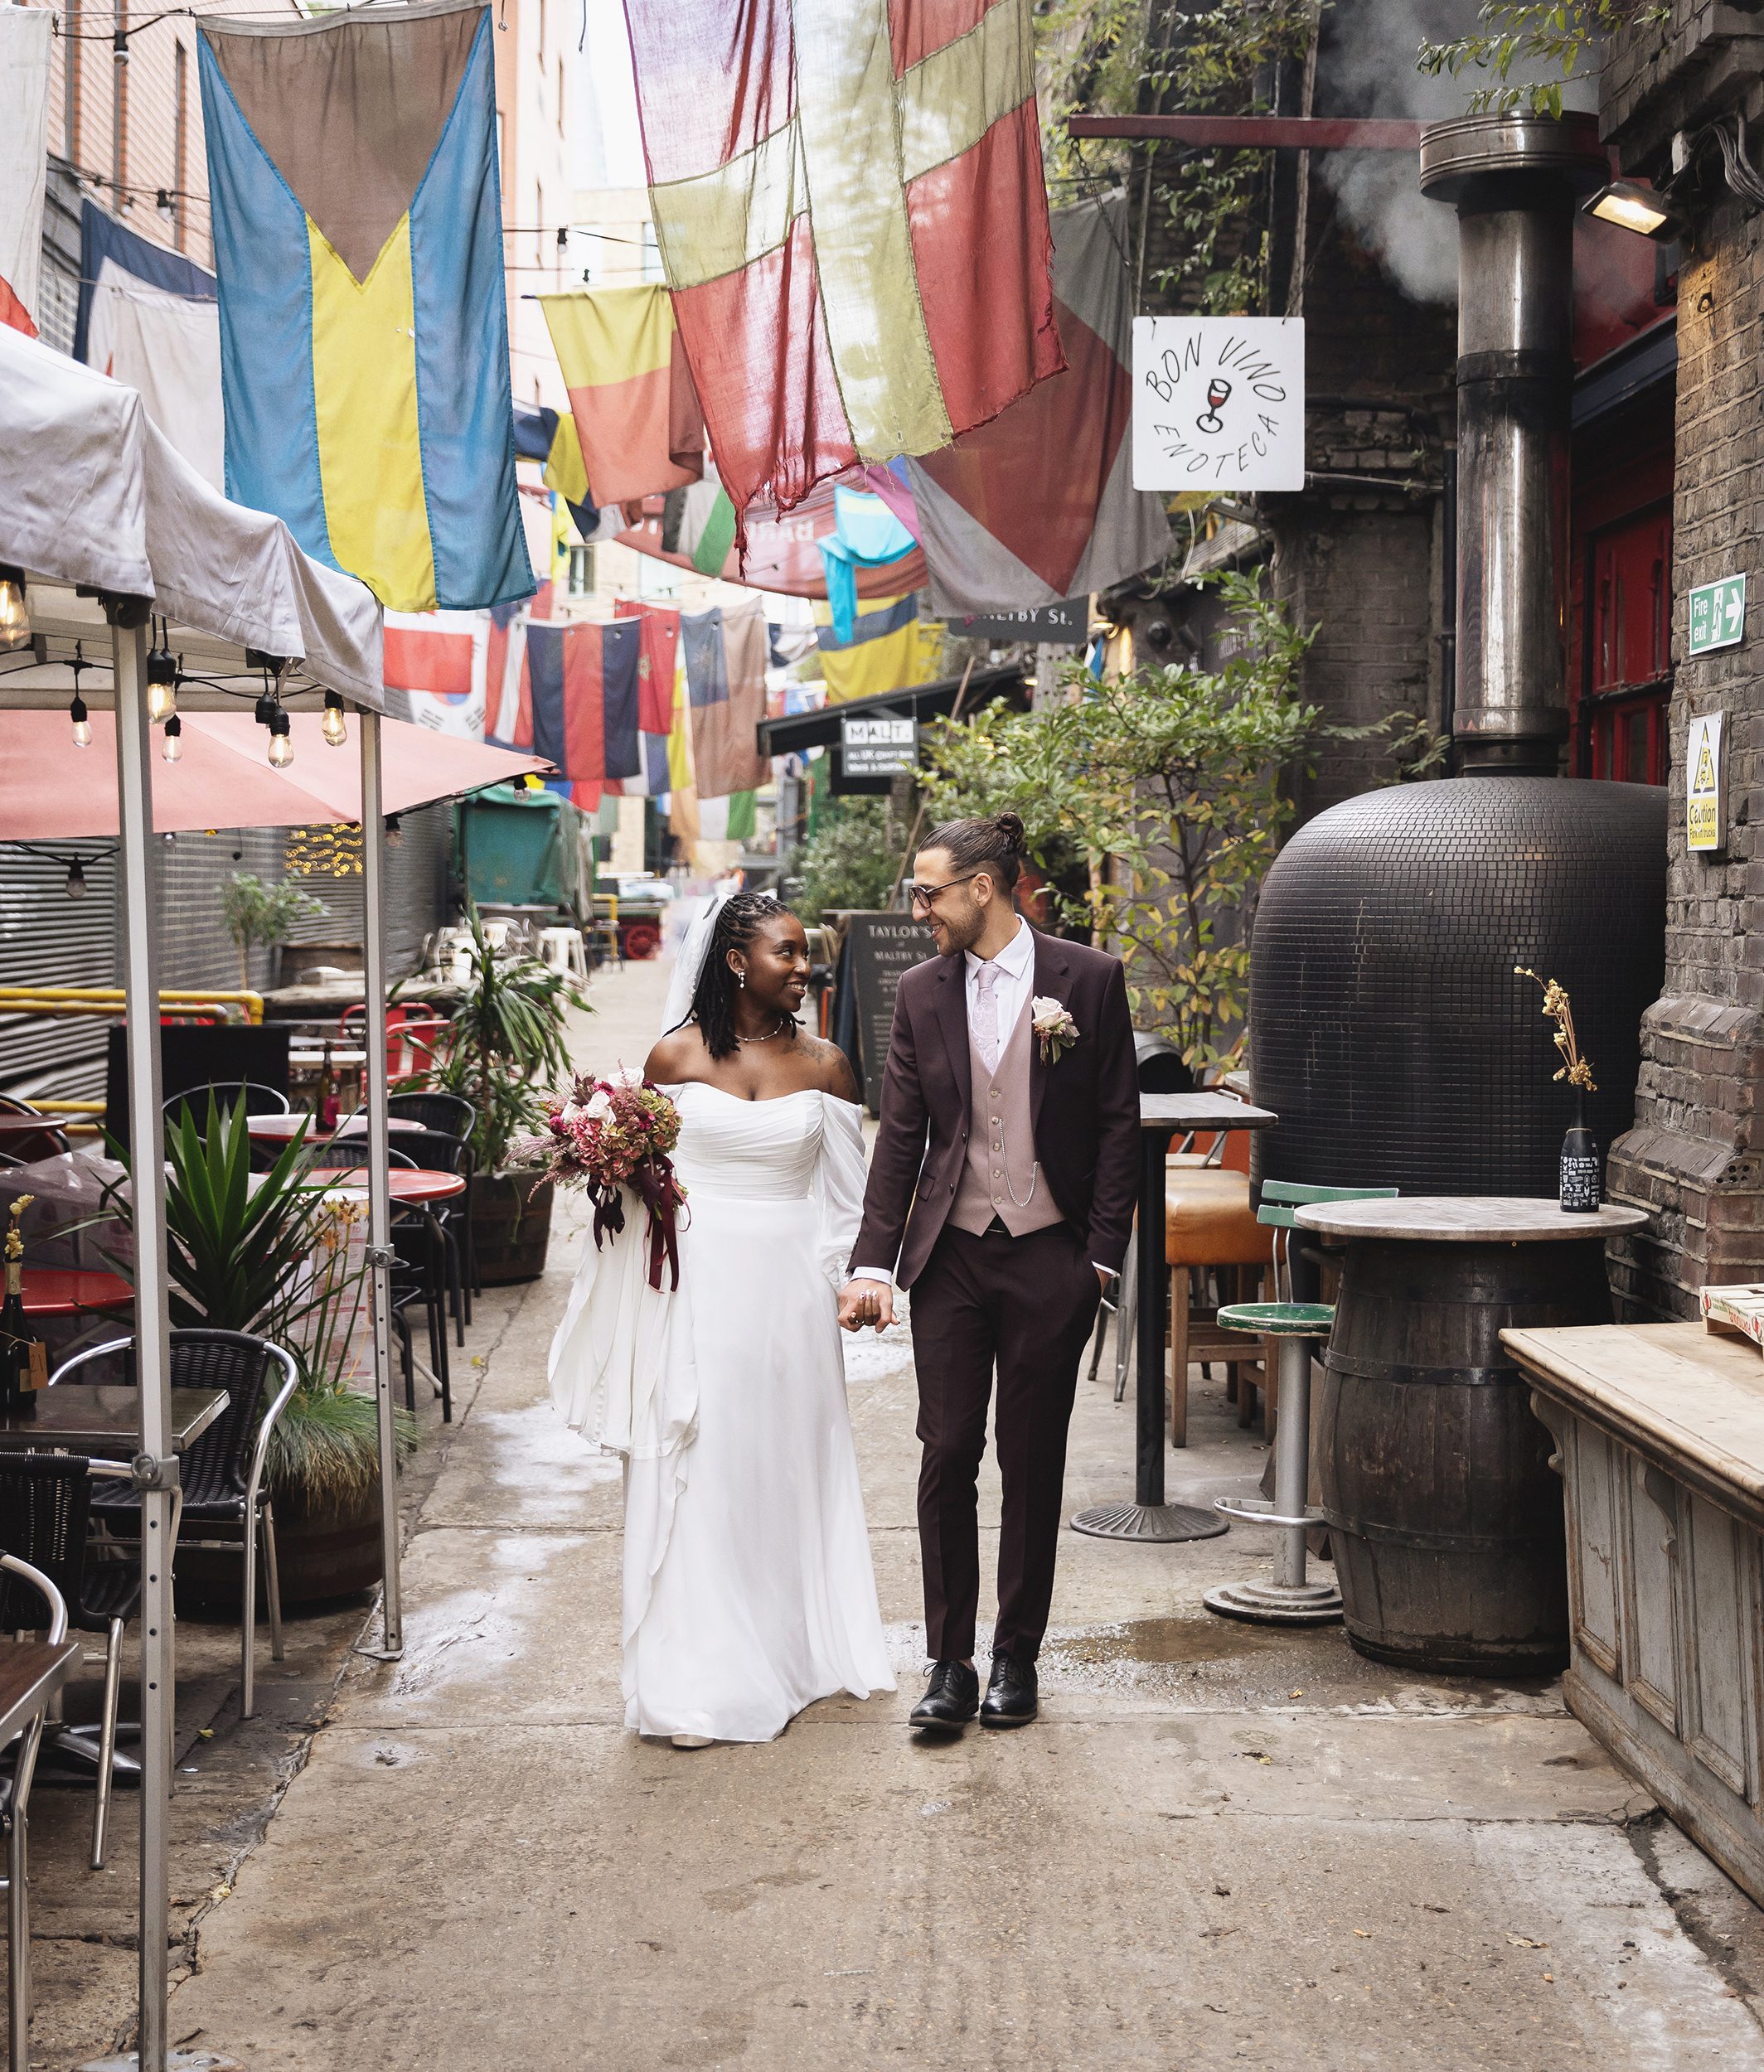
(18, 1803)
(449, 1115)
(222, 1472)
(419, 1279)
(412, 1032)
(258, 1100)
(1289, 1600)
(44, 1511)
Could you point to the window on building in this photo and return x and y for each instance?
(581, 570)
(1626, 648)
(180, 141)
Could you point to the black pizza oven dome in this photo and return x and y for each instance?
(1387, 1030)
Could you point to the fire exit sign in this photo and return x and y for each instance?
(1718, 614)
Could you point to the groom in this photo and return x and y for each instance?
(1001, 1193)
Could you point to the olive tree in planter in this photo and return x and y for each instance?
(268, 1253)
(505, 1050)
(263, 916)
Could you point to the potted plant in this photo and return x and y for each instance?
(269, 1253)
(504, 1050)
(261, 916)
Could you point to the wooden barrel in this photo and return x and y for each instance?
(1444, 1518)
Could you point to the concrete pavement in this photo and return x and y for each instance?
(1222, 1845)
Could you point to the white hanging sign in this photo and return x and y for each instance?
(1218, 403)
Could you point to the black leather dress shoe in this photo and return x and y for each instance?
(1011, 1696)
(951, 1699)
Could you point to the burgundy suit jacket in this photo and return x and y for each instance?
(1084, 1106)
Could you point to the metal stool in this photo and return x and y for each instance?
(1288, 1600)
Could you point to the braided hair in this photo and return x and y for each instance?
(739, 920)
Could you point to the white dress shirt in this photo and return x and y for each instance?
(1012, 989)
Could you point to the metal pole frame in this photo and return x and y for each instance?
(379, 1174)
(155, 1467)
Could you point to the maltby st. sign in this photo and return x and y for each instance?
(1218, 403)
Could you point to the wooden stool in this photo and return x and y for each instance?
(1210, 1224)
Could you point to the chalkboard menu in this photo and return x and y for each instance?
(879, 947)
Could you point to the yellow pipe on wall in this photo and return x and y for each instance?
(113, 995)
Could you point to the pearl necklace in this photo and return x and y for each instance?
(768, 1036)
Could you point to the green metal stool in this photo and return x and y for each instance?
(1289, 1599)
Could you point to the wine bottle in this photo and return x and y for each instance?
(327, 1100)
(1581, 1185)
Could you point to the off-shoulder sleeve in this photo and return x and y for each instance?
(839, 1186)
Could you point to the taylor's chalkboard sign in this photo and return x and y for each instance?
(879, 947)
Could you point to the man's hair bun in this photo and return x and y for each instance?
(1011, 828)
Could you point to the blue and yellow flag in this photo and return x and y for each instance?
(364, 335)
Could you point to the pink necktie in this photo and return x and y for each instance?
(986, 1017)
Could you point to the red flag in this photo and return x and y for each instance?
(852, 218)
(13, 311)
(660, 641)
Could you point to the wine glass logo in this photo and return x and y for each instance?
(1209, 420)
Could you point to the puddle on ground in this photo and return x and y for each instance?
(1157, 1643)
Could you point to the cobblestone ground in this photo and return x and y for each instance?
(1222, 1845)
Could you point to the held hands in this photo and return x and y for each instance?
(865, 1302)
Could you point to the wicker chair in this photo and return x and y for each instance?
(222, 1473)
(44, 1509)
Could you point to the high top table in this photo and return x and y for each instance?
(1148, 1517)
(1444, 1517)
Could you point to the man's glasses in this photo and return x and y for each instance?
(926, 895)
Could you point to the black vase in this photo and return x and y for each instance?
(1582, 1187)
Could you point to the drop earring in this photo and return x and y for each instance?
(741, 978)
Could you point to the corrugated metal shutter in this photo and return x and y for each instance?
(195, 948)
(47, 939)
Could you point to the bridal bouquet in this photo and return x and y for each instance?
(605, 1135)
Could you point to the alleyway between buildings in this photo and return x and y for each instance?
(1222, 1845)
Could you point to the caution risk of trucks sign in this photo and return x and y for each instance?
(1704, 830)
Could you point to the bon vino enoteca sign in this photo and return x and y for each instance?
(1218, 403)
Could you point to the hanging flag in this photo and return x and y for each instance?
(866, 534)
(726, 651)
(680, 734)
(631, 392)
(782, 553)
(851, 213)
(661, 637)
(583, 685)
(364, 334)
(437, 670)
(24, 119)
(508, 703)
(1039, 505)
(729, 820)
(891, 647)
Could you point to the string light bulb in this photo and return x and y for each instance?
(15, 620)
(171, 746)
(161, 680)
(75, 880)
(77, 713)
(333, 729)
(281, 746)
(395, 834)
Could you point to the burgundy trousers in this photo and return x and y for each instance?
(1023, 1306)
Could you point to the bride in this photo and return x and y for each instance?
(748, 1592)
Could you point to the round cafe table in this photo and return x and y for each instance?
(281, 1128)
(1445, 1518)
(67, 1291)
(412, 1186)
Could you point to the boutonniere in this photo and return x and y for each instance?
(1053, 1027)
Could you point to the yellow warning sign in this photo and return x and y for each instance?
(1703, 819)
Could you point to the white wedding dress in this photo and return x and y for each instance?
(749, 1591)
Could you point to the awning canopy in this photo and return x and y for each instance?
(93, 496)
(805, 730)
(50, 791)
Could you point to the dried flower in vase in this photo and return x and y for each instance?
(1577, 1069)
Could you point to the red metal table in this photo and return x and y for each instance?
(68, 1291)
(409, 1185)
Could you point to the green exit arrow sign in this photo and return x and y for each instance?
(1718, 614)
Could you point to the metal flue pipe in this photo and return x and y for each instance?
(1514, 179)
